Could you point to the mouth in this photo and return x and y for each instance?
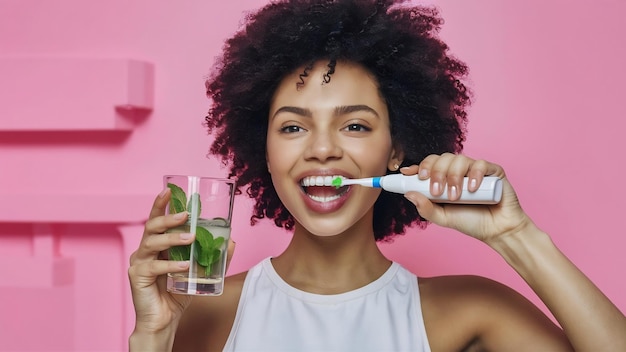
(320, 188)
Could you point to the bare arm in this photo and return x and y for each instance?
(590, 320)
(158, 312)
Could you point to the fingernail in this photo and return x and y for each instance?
(453, 192)
(472, 183)
(183, 264)
(163, 192)
(186, 236)
(179, 216)
(436, 188)
(424, 173)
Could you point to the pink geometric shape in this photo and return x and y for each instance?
(72, 93)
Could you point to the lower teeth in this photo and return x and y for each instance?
(324, 199)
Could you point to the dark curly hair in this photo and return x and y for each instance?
(419, 81)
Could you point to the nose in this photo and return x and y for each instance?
(323, 147)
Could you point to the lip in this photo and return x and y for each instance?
(324, 207)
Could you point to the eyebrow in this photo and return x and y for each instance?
(340, 110)
(347, 109)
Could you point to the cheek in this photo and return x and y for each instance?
(271, 149)
(372, 159)
(280, 156)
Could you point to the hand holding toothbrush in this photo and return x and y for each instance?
(446, 173)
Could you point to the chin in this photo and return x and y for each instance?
(325, 227)
(322, 232)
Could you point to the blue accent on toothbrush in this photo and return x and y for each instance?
(376, 182)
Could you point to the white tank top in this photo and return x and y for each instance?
(384, 315)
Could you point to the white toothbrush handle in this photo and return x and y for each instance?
(489, 192)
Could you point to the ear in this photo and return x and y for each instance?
(395, 159)
(267, 162)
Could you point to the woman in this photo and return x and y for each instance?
(358, 89)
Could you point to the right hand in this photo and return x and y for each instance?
(157, 309)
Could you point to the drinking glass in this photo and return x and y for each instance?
(209, 204)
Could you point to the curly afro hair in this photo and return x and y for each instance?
(419, 80)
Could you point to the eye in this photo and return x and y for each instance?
(357, 127)
(291, 129)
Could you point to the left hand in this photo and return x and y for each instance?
(483, 222)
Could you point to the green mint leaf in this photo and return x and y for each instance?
(194, 197)
(178, 200)
(180, 253)
(208, 248)
(176, 206)
(204, 237)
(204, 246)
(203, 256)
(218, 242)
(214, 256)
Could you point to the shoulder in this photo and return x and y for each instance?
(211, 317)
(463, 311)
(462, 296)
(459, 289)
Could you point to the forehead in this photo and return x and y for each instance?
(350, 84)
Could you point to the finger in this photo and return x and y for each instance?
(426, 165)
(427, 209)
(160, 224)
(158, 207)
(476, 173)
(151, 246)
(155, 268)
(495, 170)
(409, 170)
(457, 170)
(439, 173)
(481, 168)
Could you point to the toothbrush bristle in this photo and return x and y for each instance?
(337, 181)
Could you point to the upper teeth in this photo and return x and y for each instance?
(318, 181)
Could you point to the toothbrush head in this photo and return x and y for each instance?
(337, 182)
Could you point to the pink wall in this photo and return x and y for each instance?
(98, 99)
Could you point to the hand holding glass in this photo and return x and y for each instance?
(209, 204)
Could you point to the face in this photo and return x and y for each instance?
(340, 128)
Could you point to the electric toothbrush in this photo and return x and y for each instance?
(489, 192)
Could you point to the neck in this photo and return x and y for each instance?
(333, 264)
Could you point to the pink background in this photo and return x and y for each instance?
(99, 99)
